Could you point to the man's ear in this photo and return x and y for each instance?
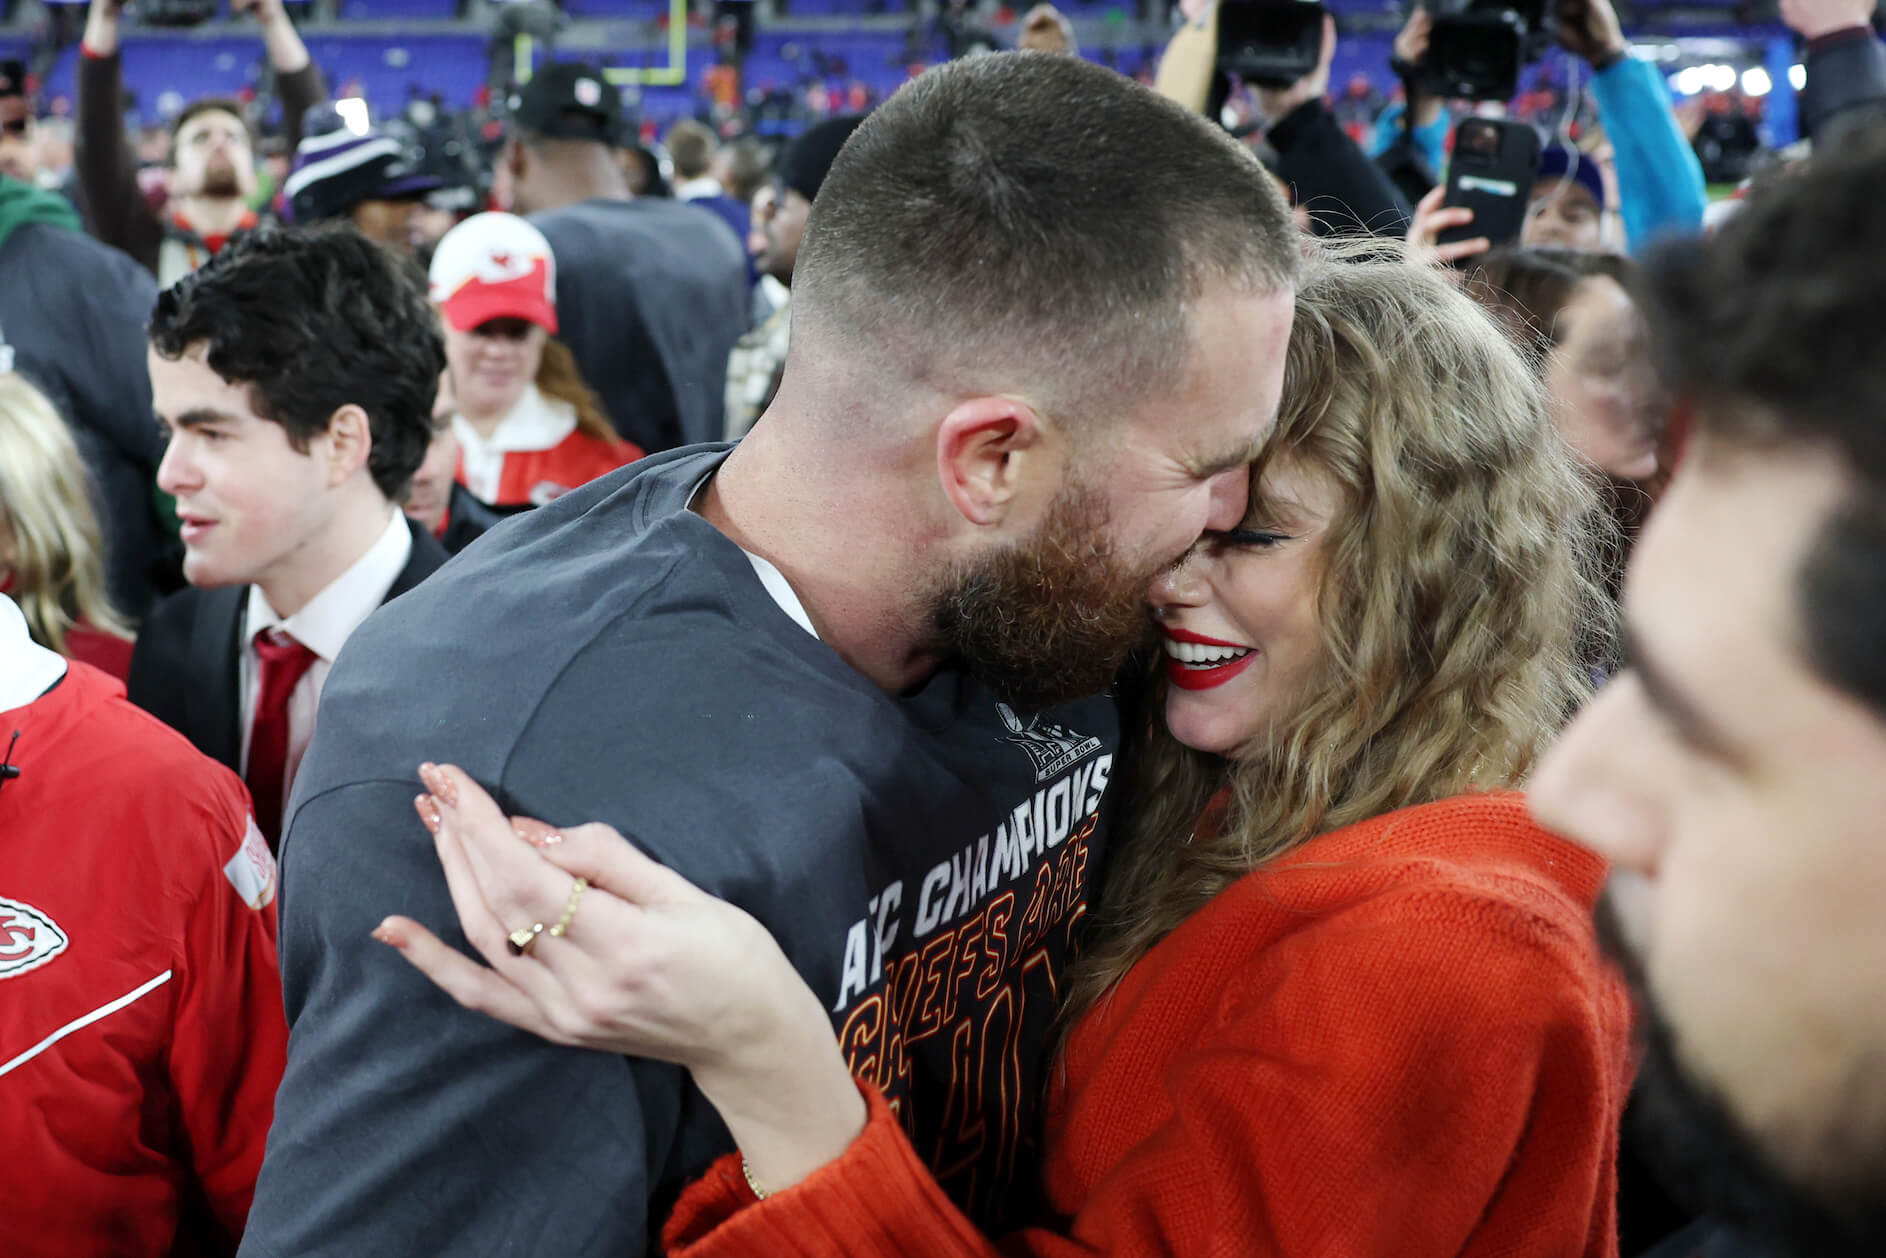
(349, 443)
(989, 450)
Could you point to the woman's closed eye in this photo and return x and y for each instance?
(1250, 539)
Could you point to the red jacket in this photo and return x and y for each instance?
(533, 477)
(1397, 1040)
(141, 1025)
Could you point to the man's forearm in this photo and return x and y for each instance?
(286, 52)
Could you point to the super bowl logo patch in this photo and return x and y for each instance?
(1050, 747)
(251, 871)
(28, 938)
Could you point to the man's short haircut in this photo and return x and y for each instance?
(312, 319)
(691, 148)
(211, 105)
(1034, 224)
(1772, 330)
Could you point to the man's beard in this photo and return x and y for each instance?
(1712, 1165)
(1053, 618)
(219, 180)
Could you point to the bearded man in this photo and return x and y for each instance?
(212, 151)
(849, 674)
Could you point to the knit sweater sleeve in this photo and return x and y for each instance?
(1424, 1074)
(1431, 1072)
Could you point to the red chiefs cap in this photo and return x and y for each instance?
(495, 266)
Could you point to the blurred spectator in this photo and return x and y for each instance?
(1731, 776)
(1660, 184)
(212, 149)
(651, 293)
(1046, 29)
(52, 555)
(143, 1020)
(296, 373)
(692, 147)
(19, 141)
(754, 367)
(643, 167)
(72, 315)
(438, 502)
(741, 168)
(58, 171)
(371, 180)
(1592, 348)
(527, 428)
(1568, 203)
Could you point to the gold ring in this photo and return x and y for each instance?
(520, 941)
(577, 889)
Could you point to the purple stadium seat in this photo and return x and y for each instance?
(411, 10)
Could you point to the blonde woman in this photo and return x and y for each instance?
(52, 557)
(1343, 998)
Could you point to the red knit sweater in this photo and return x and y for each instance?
(1397, 1041)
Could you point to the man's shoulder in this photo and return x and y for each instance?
(79, 256)
(670, 230)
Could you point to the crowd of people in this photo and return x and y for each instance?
(1018, 677)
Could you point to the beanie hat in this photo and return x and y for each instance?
(335, 172)
(807, 160)
(1561, 161)
(494, 266)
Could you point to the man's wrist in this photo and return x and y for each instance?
(1834, 37)
(1604, 58)
(101, 33)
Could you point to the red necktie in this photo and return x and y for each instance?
(281, 662)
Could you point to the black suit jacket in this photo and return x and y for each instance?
(185, 667)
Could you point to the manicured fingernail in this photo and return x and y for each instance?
(439, 784)
(428, 810)
(535, 833)
(384, 933)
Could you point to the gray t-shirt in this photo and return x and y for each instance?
(923, 859)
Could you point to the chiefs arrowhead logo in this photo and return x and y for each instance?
(28, 938)
(501, 259)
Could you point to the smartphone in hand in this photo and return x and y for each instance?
(1491, 173)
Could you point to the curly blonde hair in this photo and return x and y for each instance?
(1458, 573)
(56, 556)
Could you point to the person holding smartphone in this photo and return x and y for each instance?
(1659, 181)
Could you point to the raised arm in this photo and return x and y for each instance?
(1660, 182)
(108, 180)
(298, 82)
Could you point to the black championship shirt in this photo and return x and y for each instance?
(923, 859)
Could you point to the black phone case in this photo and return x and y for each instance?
(1497, 192)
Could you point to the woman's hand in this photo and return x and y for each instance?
(1431, 218)
(646, 965)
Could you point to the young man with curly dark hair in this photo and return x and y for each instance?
(294, 374)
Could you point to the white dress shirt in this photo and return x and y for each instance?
(323, 626)
(535, 423)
